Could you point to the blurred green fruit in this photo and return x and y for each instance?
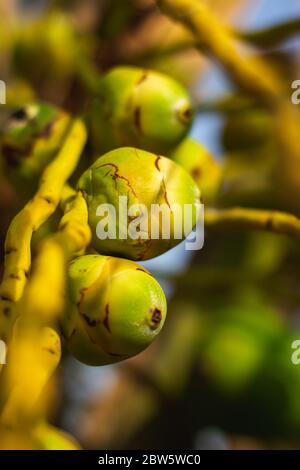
(140, 108)
(29, 139)
(201, 165)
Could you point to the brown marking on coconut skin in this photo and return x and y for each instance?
(105, 321)
(81, 293)
(6, 311)
(116, 354)
(47, 131)
(50, 350)
(104, 350)
(156, 163)
(145, 272)
(14, 155)
(166, 199)
(68, 338)
(91, 339)
(162, 182)
(143, 77)
(90, 321)
(137, 119)
(156, 317)
(196, 172)
(117, 176)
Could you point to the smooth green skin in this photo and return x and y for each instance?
(29, 139)
(201, 165)
(144, 178)
(140, 108)
(117, 309)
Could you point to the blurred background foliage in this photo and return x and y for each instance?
(220, 375)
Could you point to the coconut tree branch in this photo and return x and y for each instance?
(253, 219)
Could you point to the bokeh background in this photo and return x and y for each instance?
(220, 376)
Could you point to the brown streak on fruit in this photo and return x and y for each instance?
(157, 162)
(13, 154)
(6, 311)
(137, 119)
(89, 320)
(165, 194)
(72, 334)
(116, 175)
(91, 339)
(47, 131)
(115, 354)
(196, 172)
(142, 78)
(82, 291)
(50, 350)
(166, 199)
(105, 321)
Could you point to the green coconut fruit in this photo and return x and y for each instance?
(140, 204)
(140, 108)
(201, 165)
(29, 139)
(116, 309)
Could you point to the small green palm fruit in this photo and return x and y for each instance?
(49, 39)
(29, 139)
(117, 309)
(201, 165)
(139, 187)
(140, 108)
